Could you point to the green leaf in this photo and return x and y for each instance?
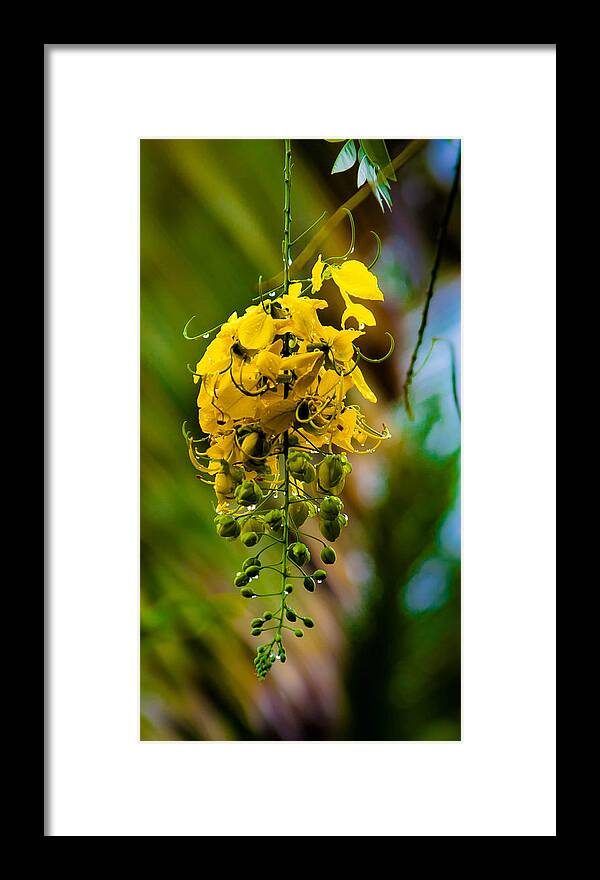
(385, 195)
(372, 181)
(335, 140)
(362, 171)
(378, 154)
(346, 157)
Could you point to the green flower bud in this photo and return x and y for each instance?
(298, 633)
(298, 513)
(258, 621)
(309, 584)
(249, 539)
(320, 575)
(299, 553)
(268, 616)
(283, 658)
(241, 579)
(224, 485)
(297, 462)
(253, 524)
(328, 555)
(289, 589)
(236, 473)
(309, 622)
(332, 472)
(273, 516)
(248, 492)
(252, 560)
(254, 444)
(290, 615)
(252, 571)
(256, 632)
(247, 593)
(228, 527)
(310, 474)
(330, 507)
(330, 528)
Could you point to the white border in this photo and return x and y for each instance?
(500, 780)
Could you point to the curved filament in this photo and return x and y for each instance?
(385, 356)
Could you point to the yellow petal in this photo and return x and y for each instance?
(268, 364)
(276, 413)
(317, 275)
(294, 289)
(342, 347)
(360, 382)
(354, 278)
(256, 329)
(303, 320)
(216, 357)
(361, 314)
(343, 429)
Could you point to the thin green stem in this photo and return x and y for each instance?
(285, 253)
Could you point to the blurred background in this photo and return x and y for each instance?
(383, 662)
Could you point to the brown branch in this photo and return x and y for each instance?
(441, 237)
(353, 202)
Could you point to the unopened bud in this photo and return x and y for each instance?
(299, 553)
(252, 560)
(328, 555)
(330, 528)
(249, 539)
(248, 492)
(228, 527)
(330, 507)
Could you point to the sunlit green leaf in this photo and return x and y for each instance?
(346, 157)
(362, 171)
(379, 156)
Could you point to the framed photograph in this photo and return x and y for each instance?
(317, 525)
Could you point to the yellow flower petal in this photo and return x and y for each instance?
(276, 413)
(268, 364)
(317, 275)
(354, 278)
(361, 314)
(361, 384)
(303, 321)
(256, 329)
(342, 347)
(294, 289)
(305, 366)
(343, 428)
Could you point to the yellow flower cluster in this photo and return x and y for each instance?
(277, 369)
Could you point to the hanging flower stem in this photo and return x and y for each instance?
(287, 223)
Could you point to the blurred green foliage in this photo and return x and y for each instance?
(384, 659)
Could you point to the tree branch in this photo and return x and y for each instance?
(441, 238)
(405, 156)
